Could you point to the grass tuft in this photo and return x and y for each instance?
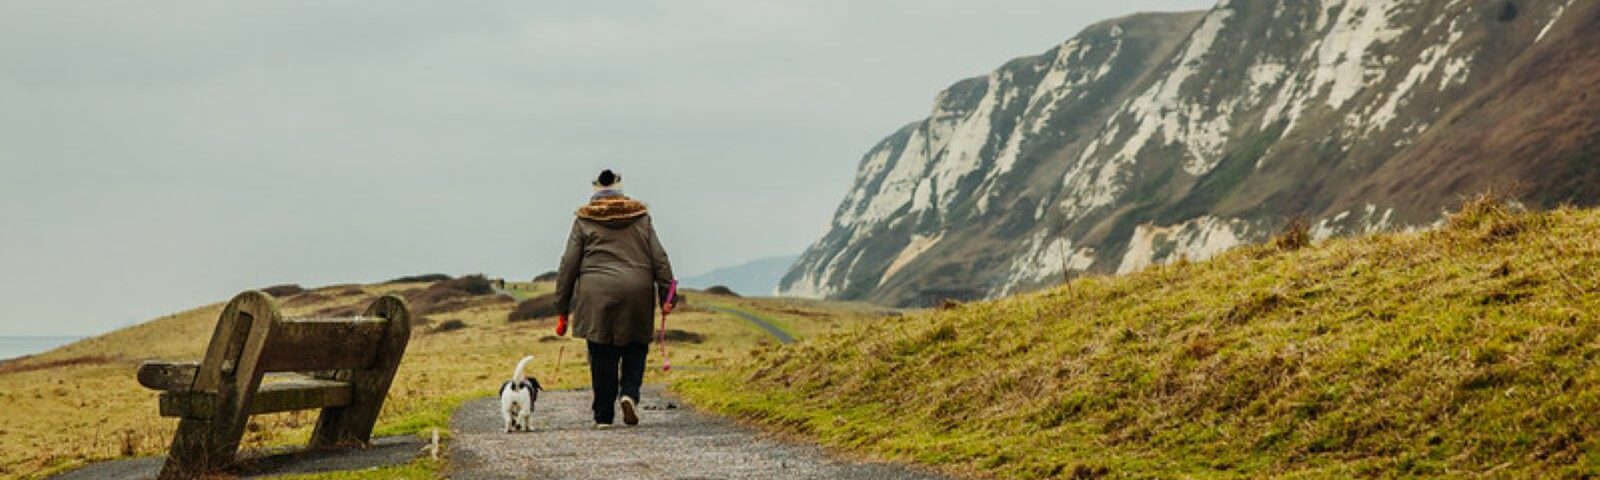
(1295, 235)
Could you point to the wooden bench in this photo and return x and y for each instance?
(345, 366)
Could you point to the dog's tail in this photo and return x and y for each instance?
(517, 377)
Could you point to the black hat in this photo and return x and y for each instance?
(607, 178)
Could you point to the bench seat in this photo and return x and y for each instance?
(298, 394)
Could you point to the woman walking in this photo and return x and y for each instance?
(612, 277)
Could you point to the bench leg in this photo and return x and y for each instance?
(342, 427)
(200, 446)
(352, 424)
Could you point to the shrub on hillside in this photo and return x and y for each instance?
(472, 284)
(331, 302)
(1490, 216)
(428, 278)
(543, 306)
(546, 277)
(339, 311)
(454, 295)
(722, 290)
(285, 290)
(683, 336)
(1295, 235)
(345, 290)
(307, 298)
(449, 326)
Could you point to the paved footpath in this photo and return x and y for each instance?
(676, 443)
(762, 323)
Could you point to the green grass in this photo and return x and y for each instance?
(526, 290)
(1469, 350)
(423, 468)
(431, 414)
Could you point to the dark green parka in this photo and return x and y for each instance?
(614, 273)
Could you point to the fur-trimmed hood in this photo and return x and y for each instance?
(613, 209)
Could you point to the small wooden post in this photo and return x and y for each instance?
(557, 370)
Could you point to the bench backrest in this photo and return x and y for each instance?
(323, 344)
(252, 339)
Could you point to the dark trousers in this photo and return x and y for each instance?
(611, 367)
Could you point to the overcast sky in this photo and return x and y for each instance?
(156, 156)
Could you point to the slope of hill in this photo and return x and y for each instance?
(756, 277)
(1468, 350)
(1154, 137)
(80, 403)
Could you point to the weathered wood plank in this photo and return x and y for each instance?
(168, 375)
(300, 395)
(188, 404)
(271, 398)
(306, 345)
(227, 341)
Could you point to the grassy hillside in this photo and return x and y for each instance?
(81, 403)
(1467, 350)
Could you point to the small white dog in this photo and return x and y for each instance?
(517, 397)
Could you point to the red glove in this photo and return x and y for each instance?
(561, 326)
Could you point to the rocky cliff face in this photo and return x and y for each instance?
(1159, 136)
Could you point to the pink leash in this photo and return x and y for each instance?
(672, 294)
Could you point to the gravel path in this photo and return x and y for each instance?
(777, 333)
(674, 443)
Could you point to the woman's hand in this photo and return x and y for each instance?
(561, 325)
(668, 307)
